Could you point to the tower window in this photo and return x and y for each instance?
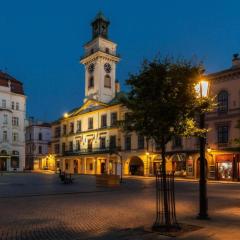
(107, 81)
(91, 82)
(107, 50)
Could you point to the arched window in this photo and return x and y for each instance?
(107, 50)
(91, 82)
(223, 101)
(107, 81)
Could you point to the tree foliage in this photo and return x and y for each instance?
(162, 100)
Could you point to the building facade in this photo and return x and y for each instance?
(87, 140)
(38, 140)
(12, 124)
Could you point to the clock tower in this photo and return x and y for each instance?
(100, 60)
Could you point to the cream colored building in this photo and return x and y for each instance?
(87, 140)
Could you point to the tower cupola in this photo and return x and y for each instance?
(100, 26)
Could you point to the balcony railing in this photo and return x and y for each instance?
(91, 151)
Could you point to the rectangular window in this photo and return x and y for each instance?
(13, 105)
(15, 137)
(102, 143)
(128, 142)
(113, 119)
(40, 149)
(140, 142)
(70, 146)
(56, 148)
(57, 132)
(90, 123)
(4, 103)
(15, 121)
(63, 148)
(78, 145)
(104, 121)
(5, 119)
(223, 134)
(79, 126)
(64, 129)
(71, 130)
(5, 138)
(17, 106)
(113, 142)
(40, 136)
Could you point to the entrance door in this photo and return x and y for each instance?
(136, 166)
(103, 167)
(3, 164)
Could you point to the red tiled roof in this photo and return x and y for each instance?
(16, 86)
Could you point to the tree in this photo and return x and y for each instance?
(162, 103)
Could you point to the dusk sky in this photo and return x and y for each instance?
(42, 41)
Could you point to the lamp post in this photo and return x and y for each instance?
(202, 90)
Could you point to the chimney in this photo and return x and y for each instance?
(236, 60)
(117, 86)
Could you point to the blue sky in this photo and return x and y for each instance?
(42, 41)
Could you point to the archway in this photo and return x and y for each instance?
(136, 166)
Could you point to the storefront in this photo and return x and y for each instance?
(179, 165)
(227, 167)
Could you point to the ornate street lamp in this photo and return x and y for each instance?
(202, 89)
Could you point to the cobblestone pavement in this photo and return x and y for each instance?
(37, 206)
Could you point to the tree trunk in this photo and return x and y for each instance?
(165, 190)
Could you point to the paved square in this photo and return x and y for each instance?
(38, 206)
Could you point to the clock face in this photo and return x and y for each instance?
(107, 67)
(91, 68)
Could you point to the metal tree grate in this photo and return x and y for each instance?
(166, 220)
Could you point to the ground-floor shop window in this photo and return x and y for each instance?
(225, 170)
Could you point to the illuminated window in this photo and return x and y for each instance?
(222, 102)
(107, 81)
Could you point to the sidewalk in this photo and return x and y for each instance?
(182, 179)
